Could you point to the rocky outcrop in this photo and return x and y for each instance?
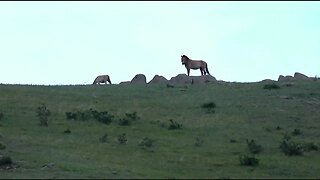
(182, 79)
(139, 79)
(158, 80)
(297, 77)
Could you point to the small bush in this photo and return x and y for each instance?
(291, 148)
(132, 116)
(5, 160)
(278, 128)
(67, 131)
(253, 147)
(271, 86)
(124, 122)
(71, 116)
(104, 138)
(146, 142)
(296, 132)
(232, 141)
(199, 142)
(286, 136)
(104, 117)
(122, 139)
(174, 125)
(43, 113)
(209, 107)
(246, 160)
(310, 147)
(1, 116)
(2, 146)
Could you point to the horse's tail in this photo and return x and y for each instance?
(207, 69)
(95, 80)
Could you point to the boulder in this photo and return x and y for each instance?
(125, 82)
(158, 80)
(180, 79)
(285, 78)
(299, 77)
(139, 79)
(202, 79)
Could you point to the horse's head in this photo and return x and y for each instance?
(184, 59)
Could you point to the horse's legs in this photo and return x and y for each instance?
(188, 70)
(201, 70)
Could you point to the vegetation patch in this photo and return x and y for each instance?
(43, 113)
(291, 148)
(5, 160)
(247, 160)
(209, 107)
(103, 117)
(146, 143)
(104, 138)
(271, 86)
(296, 132)
(253, 147)
(174, 125)
(122, 139)
(67, 131)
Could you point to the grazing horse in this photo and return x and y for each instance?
(102, 79)
(194, 64)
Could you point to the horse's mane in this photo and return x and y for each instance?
(185, 56)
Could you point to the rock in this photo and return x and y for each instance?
(139, 79)
(180, 79)
(299, 77)
(202, 79)
(158, 80)
(125, 82)
(286, 78)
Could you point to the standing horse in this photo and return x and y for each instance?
(102, 79)
(194, 64)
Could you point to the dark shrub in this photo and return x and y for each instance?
(271, 86)
(146, 142)
(132, 116)
(174, 125)
(122, 138)
(232, 140)
(1, 116)
(278, 128)
(104, 117)
(310, 147)
(2, 146)
(246, 160)
(296, 132)
(209, 107)
(5, 160)
(199, 142)
(104, 138)
(43, 113)
(71, 115)
(253, 147)
(124, 122)
(67, 131)
(291, 148)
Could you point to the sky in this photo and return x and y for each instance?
(72, 42)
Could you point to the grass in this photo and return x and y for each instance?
(208, 146)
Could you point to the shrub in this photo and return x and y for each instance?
(132, 116)
(146, 142)
(199, 142)
(104, 138)
(271, 86)
(246, 160)
(278, 128)
(291, 148)
(253, 147)
(174, 125)
(232, 140)
(296, 132)
(124, 122)
(310, 147)
(209, 107)
(43, 113)
(104, 117)
(2, 146)
(5, 160)
(67, 131)
(122, 138)
(1, 116)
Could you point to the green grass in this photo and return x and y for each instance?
(241, 111)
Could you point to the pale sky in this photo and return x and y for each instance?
(63, 43)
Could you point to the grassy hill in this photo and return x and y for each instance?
(219, 130)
